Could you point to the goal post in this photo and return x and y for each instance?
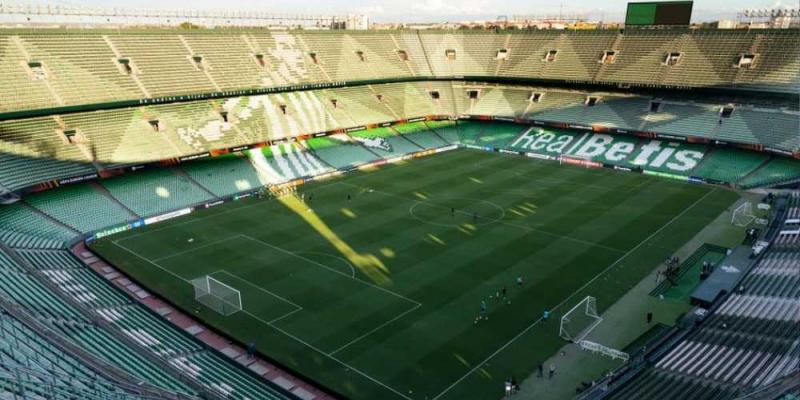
(743, 215)
(216, 295)
(580, 320)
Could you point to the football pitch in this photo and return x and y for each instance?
(376, 296)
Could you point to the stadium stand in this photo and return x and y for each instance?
(447, 130)
(31, 367)
(224, 176)
(82, 207)
(727, 165)
(164, 64)
(777, 170)
(54, 67)
(230, 59)
(419, 134)
(142, 326)
(386, 142)
(82, 67)
(155, 191)
(31, 152)
(751, 331)
(748, 341)
(20, 219)
(498, 135)
(340, 151)
(39, 150)
(469, 132)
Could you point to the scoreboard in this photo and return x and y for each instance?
(659, 13)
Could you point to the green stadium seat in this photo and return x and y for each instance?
(155, 191)
(224, 176)
(340, 154)
(23, 220)
(82, 206)
(728, 165)
(419, 133)
(778, 170)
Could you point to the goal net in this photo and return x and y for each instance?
(580, 320)
(743, 215)
(216, 295)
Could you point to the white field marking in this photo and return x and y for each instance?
(224, 271)
(488, 220)
(603, 272)
(270, 324)
(346, 345)
(288, 314)
(349, 264)
(320, 351)
(170, 226)
(552, 179)
(151, 262)
(335, 181)
(525, 227)
(214, 243)
(398, 295)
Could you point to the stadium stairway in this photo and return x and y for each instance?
(81, 207)
(340, 151)
(420, 135)
(728, 165)
(154, 323)
(267, 175)
(224, 176)
(445, 130)
(110, 311)
(776, 171)
(32, 367)
(181, 173)
(748, 341)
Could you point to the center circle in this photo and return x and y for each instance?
(456, 211)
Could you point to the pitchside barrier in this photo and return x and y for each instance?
(216, 295)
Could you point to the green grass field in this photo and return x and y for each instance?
(409, 332)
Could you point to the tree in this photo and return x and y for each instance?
(188, 25)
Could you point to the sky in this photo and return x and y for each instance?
(432, 10)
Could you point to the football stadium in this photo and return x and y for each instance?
(257, 212)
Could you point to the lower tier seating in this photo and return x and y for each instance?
(339, 152)
(225, 175)
(155, 191)
(82, 207)
(777, 170)
(729, 165)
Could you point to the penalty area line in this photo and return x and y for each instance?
(524, 331)
(272, 325)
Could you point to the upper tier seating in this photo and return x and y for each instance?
(32, 151)
(52, 68)
(164, 64)
(41, 149)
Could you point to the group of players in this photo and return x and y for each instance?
(500, 296)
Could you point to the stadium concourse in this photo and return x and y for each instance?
(104, 132)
